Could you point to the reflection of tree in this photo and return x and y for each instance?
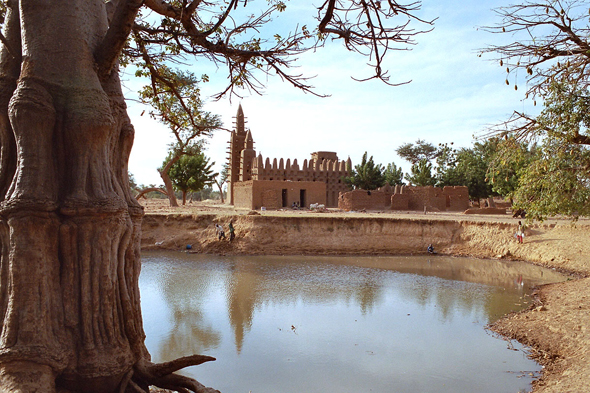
(183, 289)
(261, 280)
(507, 281)
(251, 282)
(367, 294)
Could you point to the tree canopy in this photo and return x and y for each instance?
(229, 35)
(393, 174)
(367, 175)
(416, 152)
(555, 176)
(191, 173)
(551, 46)
(421, 174)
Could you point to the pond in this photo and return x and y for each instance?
(339, 324)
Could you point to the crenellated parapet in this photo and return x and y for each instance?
(328, 171)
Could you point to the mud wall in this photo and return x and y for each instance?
(254, 194)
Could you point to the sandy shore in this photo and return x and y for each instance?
(556, 328)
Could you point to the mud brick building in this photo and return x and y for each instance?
(407, 198)
(255, 182)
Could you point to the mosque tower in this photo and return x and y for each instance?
(241, 153)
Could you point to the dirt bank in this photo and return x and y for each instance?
(557, 328)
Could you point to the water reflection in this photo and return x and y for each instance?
(323, 324)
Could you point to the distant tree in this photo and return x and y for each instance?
(367, 175)
(203, 194)
(393, 174)
(421, 174)
(470, 170)
(467, 167)
(414, 153)
(133, 187)
(445, 163)
(221, 179)
(191, 173)
(177, 103)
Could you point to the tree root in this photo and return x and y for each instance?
(145, 374)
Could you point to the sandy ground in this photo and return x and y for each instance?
(556, 327)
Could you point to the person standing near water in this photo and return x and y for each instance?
(220, 232)
(520, 232)
(232, 234)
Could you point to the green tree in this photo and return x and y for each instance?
(470, 170)
(175, 99)
(551, 46)
(367, 175)
(191, 173)
(556, 180)
(421, 174)
(445, 162)
(511, 159)
(393, 174)
(414, 153)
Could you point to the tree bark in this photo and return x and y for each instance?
(220, 185)
(168, 183)
(70, 314)
(147, 190)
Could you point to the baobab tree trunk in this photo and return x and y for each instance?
(70, 314)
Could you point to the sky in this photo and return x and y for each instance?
(454, 95)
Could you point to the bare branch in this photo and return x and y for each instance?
(364, 26)
(550, 43)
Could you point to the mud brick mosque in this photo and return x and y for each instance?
(255, 182)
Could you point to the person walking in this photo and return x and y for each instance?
(220, 232)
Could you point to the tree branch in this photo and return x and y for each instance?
(109, 50)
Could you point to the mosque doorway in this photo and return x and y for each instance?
(302, 201)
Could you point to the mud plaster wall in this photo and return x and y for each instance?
(426, 196)
(407, 198)
(245, 166)
(457, 198)
(242, 194)
(400, 202)
(364, 200)
(255, 194)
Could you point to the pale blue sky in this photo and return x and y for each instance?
(454, 94)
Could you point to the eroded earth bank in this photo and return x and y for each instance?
(556, 327)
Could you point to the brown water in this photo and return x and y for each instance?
(339, 324)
